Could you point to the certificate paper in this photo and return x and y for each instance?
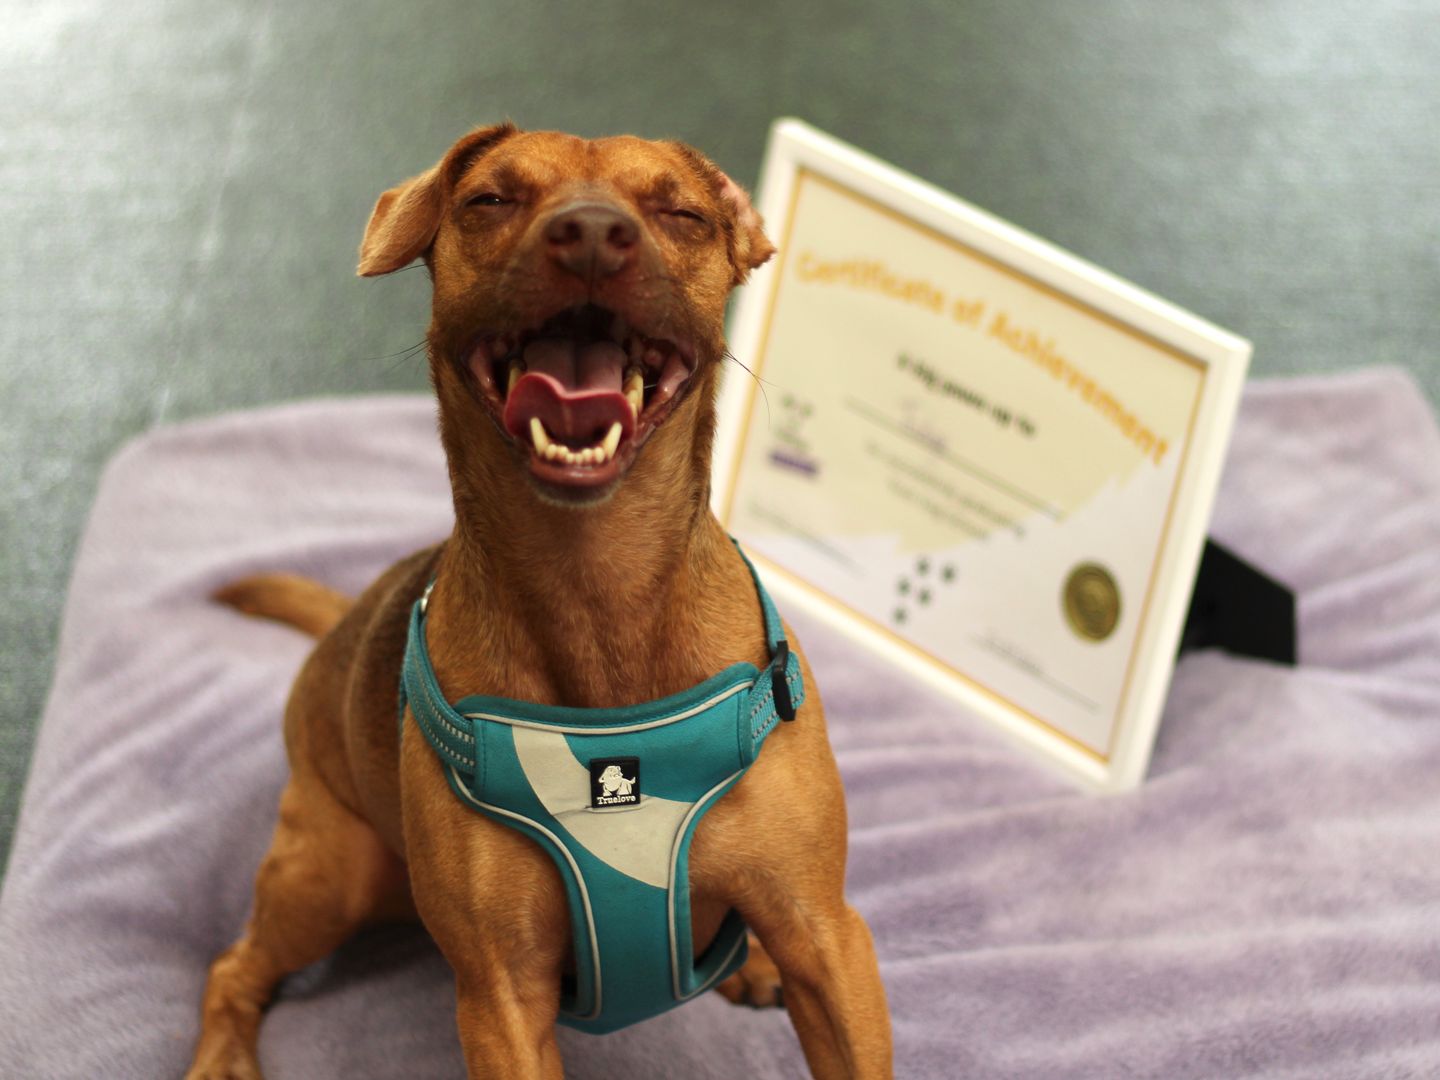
(988, 460)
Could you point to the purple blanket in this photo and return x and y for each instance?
(1268, 904)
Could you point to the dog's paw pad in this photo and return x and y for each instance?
(756, 984)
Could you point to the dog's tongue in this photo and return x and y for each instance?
(574, 390)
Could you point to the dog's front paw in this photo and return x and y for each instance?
(757, 983)
(224, 1062)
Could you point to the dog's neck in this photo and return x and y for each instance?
(604, 605)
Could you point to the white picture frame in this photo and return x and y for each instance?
(860, 214)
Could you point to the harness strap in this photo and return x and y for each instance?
(776, 695)
(619, 890)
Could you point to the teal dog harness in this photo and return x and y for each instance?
(614, 796)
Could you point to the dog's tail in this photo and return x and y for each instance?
(304, 604)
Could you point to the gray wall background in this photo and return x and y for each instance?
(183, 185)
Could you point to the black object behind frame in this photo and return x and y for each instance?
(1238, 608)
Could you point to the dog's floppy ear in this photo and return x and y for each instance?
(749, 246)
(402, 225)
(404, 222)
(752, 247)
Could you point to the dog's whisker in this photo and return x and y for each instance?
(403, 357)
(759, 382)
(401, 352)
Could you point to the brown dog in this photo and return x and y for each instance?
(585, 570)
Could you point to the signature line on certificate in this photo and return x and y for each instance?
(881, 420)
(1025, 664)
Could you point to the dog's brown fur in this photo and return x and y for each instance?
(624, 599)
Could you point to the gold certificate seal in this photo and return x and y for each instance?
(1092, 601)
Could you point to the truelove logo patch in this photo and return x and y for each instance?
(614, 782)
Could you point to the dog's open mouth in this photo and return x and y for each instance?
(582, 391)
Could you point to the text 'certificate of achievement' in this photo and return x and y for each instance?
(984, 458)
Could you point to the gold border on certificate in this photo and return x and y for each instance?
(808, 161)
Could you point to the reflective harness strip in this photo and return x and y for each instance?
(614, 797)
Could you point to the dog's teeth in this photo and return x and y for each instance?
(635, 391)
(550, 450)
(514, 377)
(611, 441)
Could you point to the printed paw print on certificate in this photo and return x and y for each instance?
(922, 587)
(794, 411)
(791, 450)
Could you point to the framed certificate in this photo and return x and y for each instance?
(991, 462)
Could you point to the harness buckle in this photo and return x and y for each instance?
(779, 685)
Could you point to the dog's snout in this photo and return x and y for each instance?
(592, 240)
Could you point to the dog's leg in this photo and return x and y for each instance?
(792, 896)
(325, 875)
(831, 983)
(507, 1025)
(507, 977)
(495, 905)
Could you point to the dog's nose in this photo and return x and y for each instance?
(592, 240)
